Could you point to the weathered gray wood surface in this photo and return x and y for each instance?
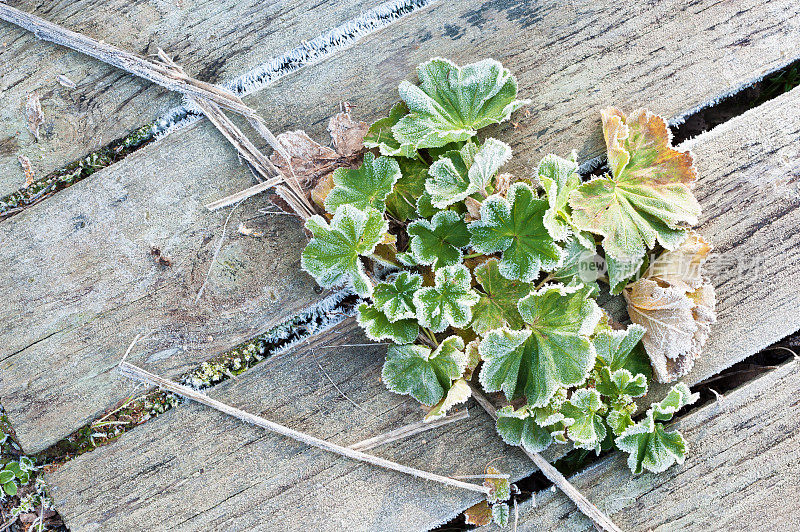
(561, 57)
(212, 40)
(741, 472)
(197, 469)
(79, 280)
(755, 186)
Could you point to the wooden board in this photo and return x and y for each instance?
(540, 43)
(740, 474)
(201, 470)
(722, 167)
(214, 41)
(80, 281)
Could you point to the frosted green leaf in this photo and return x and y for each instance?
(378, 326)
(424, 206)
(553, 352)
(497, 306)
(459, 174)
(514, 225)
(621, 384)
(621, 349)
(648, 196)
(500, 513)
(621, 271)
(500, 487)
(559, 177)
(421, 373)
(677, 397)
(650, 447)
(402, 202)
(619, 418)
(380, 134)
(332, 255)
(451, 104)
(407, 259)
(439, 242)
(585, 407)
(396, 299)
(517, 427)
(449, 302)
(363, 187)
(458, 393)
(579, 265)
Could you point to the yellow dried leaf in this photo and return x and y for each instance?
(479, 514)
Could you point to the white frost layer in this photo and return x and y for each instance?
(308, 53)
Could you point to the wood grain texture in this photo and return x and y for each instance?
(741, 472)
(80, 280)
(214, 41)
(197, 469)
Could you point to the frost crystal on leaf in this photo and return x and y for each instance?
(621, 384)
(396, 299)
(517, 427)
(379, 327)
(440, 241)
(452, 103)
(500, 514)
(500, 487)
(619, 349)
(449, 302)
(515, 226)
(402, 202)
(588, 430)
(559, 177)
(364, 187)
(421, 373)
(332, 255)
(554, 351)
(648, 197)
(459, 174)
(458, 393)
(497, 306)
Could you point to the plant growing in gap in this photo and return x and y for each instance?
(474, 274)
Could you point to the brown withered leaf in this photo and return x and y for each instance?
(26, 167)
(313, 163)
(676, 305)
(479, 514)
(34, 114)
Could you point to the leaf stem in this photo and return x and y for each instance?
(543, 281)
(430, 335)
(473, 255)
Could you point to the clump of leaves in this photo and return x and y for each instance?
(494, 277)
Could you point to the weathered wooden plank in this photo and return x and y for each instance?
(215, 41)
(80, 280)
(751, 161)
(741, 472)
(201, 470)
(533, 41)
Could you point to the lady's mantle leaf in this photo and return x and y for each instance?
(379, 327)
(500, 514)
(458, 393)
(553, 352)
(380, 134)
(332, 255)
(459, 174)
(396, 299)
(514, 225)
(497, 306)
(452, 103)
(440, 241)
(448, 302)
(619, 418)
(518, 427)
(580, 265)
(617, 349)
(402, 202)
(649, 196)
(649, 446)
(676, 305)
(621, 271)
(424, 375)
(559, 177)
(621, 384)
(364, 187)
(500, 487)
(585, 407)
